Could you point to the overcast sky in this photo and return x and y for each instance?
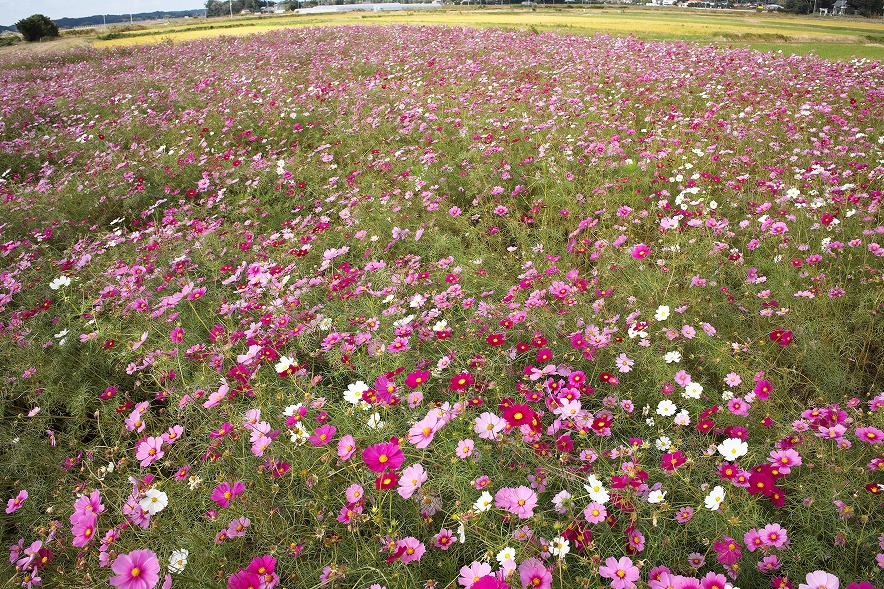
(12, 11)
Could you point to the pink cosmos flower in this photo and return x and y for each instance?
(444, 539)
(820, 580)
(412, 478)
(784, 460)
(729, 550)
(173, 434)
(244, 579)
(622, 573)
(636, 541)
(774, 535)
(412, 549)
(149, 450)
(83, 530)
(465, 448)
(386, 455)
(139, 569)
(763, 389)
(134, 422)
(595, 513)
(640, 252)
(345, 516)
(753, 540)
(323, 435)
(88, 503)
(519, 501)
(533, 574)
(870, 435)
(16, 502)
(223, 493)
(471, 573)
(176, 335)
(713, 580)
(769, 563)
(738, 406)
(354, 493)
(488, 425)
(346, 447)
(421, 433)
(237, 527)
(263, 566)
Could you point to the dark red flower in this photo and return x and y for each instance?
(386, 480)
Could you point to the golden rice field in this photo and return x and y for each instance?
(829, 37)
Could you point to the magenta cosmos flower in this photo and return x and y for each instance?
(622, 573)
(641, 251)
(870, 435)
(820, 580)
(139, 569)
(323, 435)
(224, 492)
(380, 457)
(244, 579)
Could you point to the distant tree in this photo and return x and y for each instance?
(36, 27)
(868, 8)
(223, 7)
(798, 6)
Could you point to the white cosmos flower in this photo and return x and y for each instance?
(693, 390)
(596, 490)
(671, 357)
(714, 498)
(484, 502)
(353, 394)
(507, 554)
(663, 443)
(178, 560)
(375, 421)
(59, 282)
(298, 435)
(733, 448)
(558, 546)
(662, 313)
(656, 496)
(154, 501)
(284, 364)
(665, 408)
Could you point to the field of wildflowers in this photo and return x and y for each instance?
(437, 307)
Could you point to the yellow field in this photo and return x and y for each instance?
(863, 37)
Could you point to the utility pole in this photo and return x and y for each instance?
(231, 8)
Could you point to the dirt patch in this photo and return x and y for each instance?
(23, 50)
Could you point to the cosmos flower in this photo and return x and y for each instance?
(139, 569)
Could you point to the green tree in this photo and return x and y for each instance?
(868, 8)
(36, 27)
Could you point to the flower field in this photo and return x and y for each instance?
(439, 307)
